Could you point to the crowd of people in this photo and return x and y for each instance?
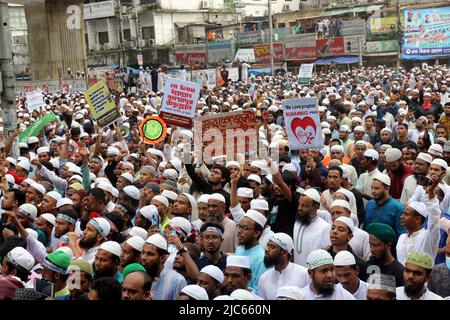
(95, 213)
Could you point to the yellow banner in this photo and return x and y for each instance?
(101, 104)
(383, 25)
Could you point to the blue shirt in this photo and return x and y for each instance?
(256, 256)
(388, 213)
(168, 285)
(440, 257)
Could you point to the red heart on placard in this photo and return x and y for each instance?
(305, 136)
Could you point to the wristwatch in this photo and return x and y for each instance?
(183, 250)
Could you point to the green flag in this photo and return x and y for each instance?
(36, 127)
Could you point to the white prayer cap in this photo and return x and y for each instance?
(195, 292)
(289, 167)
(187, 133)
(254, 177)
(420, 207)
(112, 151)
(63, 202)
(76, 177)
(176, 163)
(55, 195)
(284, 241)
(158, 241)
(149, 212)
(170, 174)
(238, 261)
(32, 233)
(358, 128)
(245, 192)
(136, 243)
(380, 281)
(337, 148)
(213, 272)
(241, 294)
(344, 128)
(384, 178)
(256, 216)
(218, 197)
(341, 203)
(259, 204)
(344, 258)
(313, 194)
(101, 225)
(392, 154)
(324, 125)
(291, 292)
(318, 258)
(156, 152)
(181, 224)
(132, 192)
(326, 131)
(20, 256)
(112, 247)
(348, 222)
(29, 210)
(371, 153)
(23, 145)
(436, 150)
(49, 217)
(42, 150)
(128, 177)
(170, 195)
(75, 169)
(84, 134)
(233, 163)
(386, 129)
(24, 164)
(39, 187)
(161, 199)
(138, 232)
(440, 162)
(203, 198)
(11, 160)
(105, 186)
(261, 164)
(425, 157)
(128, 165)
(32, 140)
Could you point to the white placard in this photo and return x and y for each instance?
(35, 100)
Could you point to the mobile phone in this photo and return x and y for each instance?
(422, 181)
(44, 287)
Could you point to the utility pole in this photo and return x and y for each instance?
(400, 33)
(8, 94)
(122, 34)
(269, 12)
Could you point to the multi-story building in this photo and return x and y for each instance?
(19, 32)
(117, 29)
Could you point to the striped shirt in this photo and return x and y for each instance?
(168, 285)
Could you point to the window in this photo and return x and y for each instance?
(103, 37)
(127, 34)
(148, 32)
(282, 25)
(349, 46)
(286, 7)
(292, 24)
(148, 1)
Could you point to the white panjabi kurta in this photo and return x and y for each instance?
(339, 294)
(424, 240)
(271, 280)
(309, 238)
(361, 292)
(409, 187)
(428, 295)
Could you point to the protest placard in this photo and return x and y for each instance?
(101, 104)
(179, 102)
(370, 99)
(229, 134)
(302, 124)
(305, 73)
(36, 127)
(35, 100)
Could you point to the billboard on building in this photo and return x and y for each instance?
(250, 37)
(263, 52)
(382, 25)
(426, 33)
(353, 27)
(219, 50)
(302, 47)
(330, 46)
(381, 46)
(190, 54)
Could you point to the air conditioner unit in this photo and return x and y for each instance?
(142, 43)
(204, 4)
(98, 47)
(106, 46)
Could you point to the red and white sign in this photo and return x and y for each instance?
(191, 54)
(302, 124)
(263, 52)
(301, 48)
(330, 46)
(179, 102)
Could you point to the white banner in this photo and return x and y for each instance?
(302, 124)
(305, 73)
(35, 100)
(205, 77)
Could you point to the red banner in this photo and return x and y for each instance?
(262, 52)
(304, 53)
(330, 46)
(190, 58)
